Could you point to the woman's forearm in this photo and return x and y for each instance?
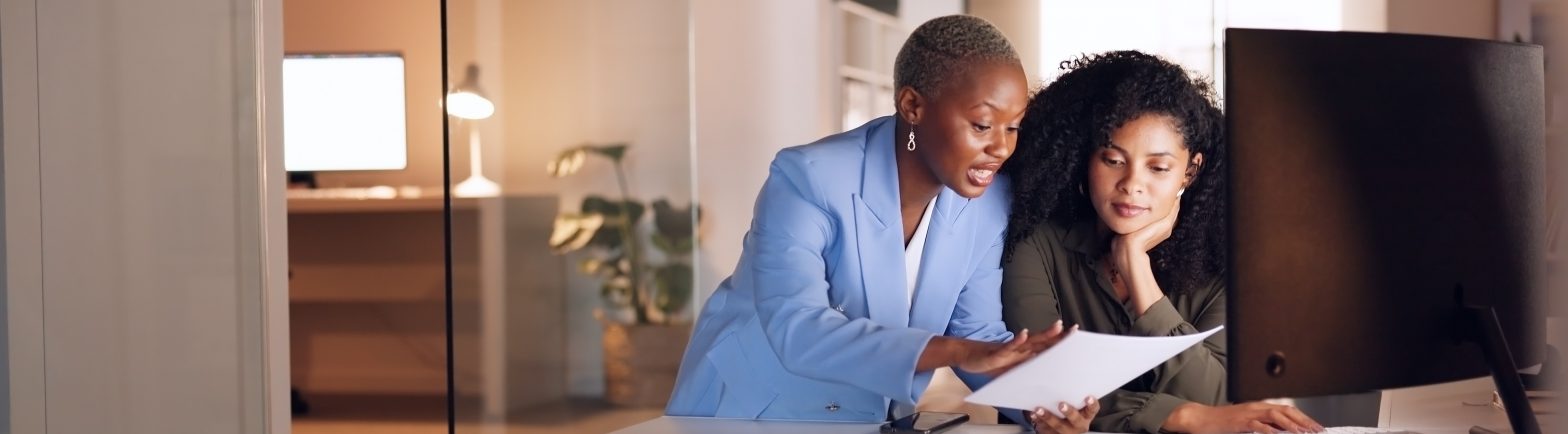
(941, 351)
(1137, 273)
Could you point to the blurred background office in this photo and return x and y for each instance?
(605, 101)
(604, 154)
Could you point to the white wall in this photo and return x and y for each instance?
(24, 277)
(1461, 18)
(137, 267)
(568, 73)
(913, 13)
(1020, 21)
(1364, 15)
(5, 363)
(760, 85)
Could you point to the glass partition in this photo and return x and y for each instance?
(573, 221)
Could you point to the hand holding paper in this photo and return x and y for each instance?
(1082, 364)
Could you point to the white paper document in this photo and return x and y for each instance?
(1083, 364)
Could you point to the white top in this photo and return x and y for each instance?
(912, 252)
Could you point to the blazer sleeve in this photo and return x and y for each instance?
(790, 234)
(978, 314)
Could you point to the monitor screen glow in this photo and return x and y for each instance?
(344, 112)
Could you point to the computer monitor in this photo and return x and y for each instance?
(344, 112)
(1381, 185)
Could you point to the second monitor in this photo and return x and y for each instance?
(1387, 192)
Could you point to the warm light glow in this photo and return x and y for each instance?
(477, 186)
(468, 105)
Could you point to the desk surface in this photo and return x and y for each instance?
(706, 425)
(1437, 421)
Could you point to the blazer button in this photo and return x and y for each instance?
(832, 406)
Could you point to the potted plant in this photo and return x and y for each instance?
(645, 332)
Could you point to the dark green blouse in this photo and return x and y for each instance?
(1052, 275)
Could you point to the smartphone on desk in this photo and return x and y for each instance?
(925, 422)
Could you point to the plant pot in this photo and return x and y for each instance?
(640, 362)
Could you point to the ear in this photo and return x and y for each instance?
(1193, 167)
(910, 104)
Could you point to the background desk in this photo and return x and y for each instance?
(368, 297)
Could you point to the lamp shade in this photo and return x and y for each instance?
(466, 100)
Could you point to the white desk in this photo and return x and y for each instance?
(704, 425)
(708, 425)
(1437, 409)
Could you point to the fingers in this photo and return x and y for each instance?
(1018, 341)
(1277, 417)
(1092, 409)
(1002, 359)
(1074, 421)
(1037, 419)
(1055, 329)
(1052, 331)
(1261, 428)
(1042, 343)
(1301, 419)
(1074, 417)
(1057, 425)
(1046, 422)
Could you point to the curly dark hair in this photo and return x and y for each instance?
(1073, 117)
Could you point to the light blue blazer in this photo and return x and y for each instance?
(816, 322)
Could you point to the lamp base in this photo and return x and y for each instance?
(477, 186)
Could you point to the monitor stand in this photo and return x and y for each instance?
(302, 180)
(1505, 374)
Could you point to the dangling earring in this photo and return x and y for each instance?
(911, 145)
(1080, 189)
(1179, 192)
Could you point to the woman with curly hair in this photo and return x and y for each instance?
(1118, 226)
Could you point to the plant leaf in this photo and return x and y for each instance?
(674, 282)
(612, 209)
(590, 266)
(574, 231)
(567, 162)
(673, 222)
(614, 150)
(617, 296)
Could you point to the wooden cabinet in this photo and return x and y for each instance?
(367, 298)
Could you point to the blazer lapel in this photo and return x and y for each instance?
(879, 234)
(943, 264)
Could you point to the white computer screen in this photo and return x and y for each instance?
(344, 112)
